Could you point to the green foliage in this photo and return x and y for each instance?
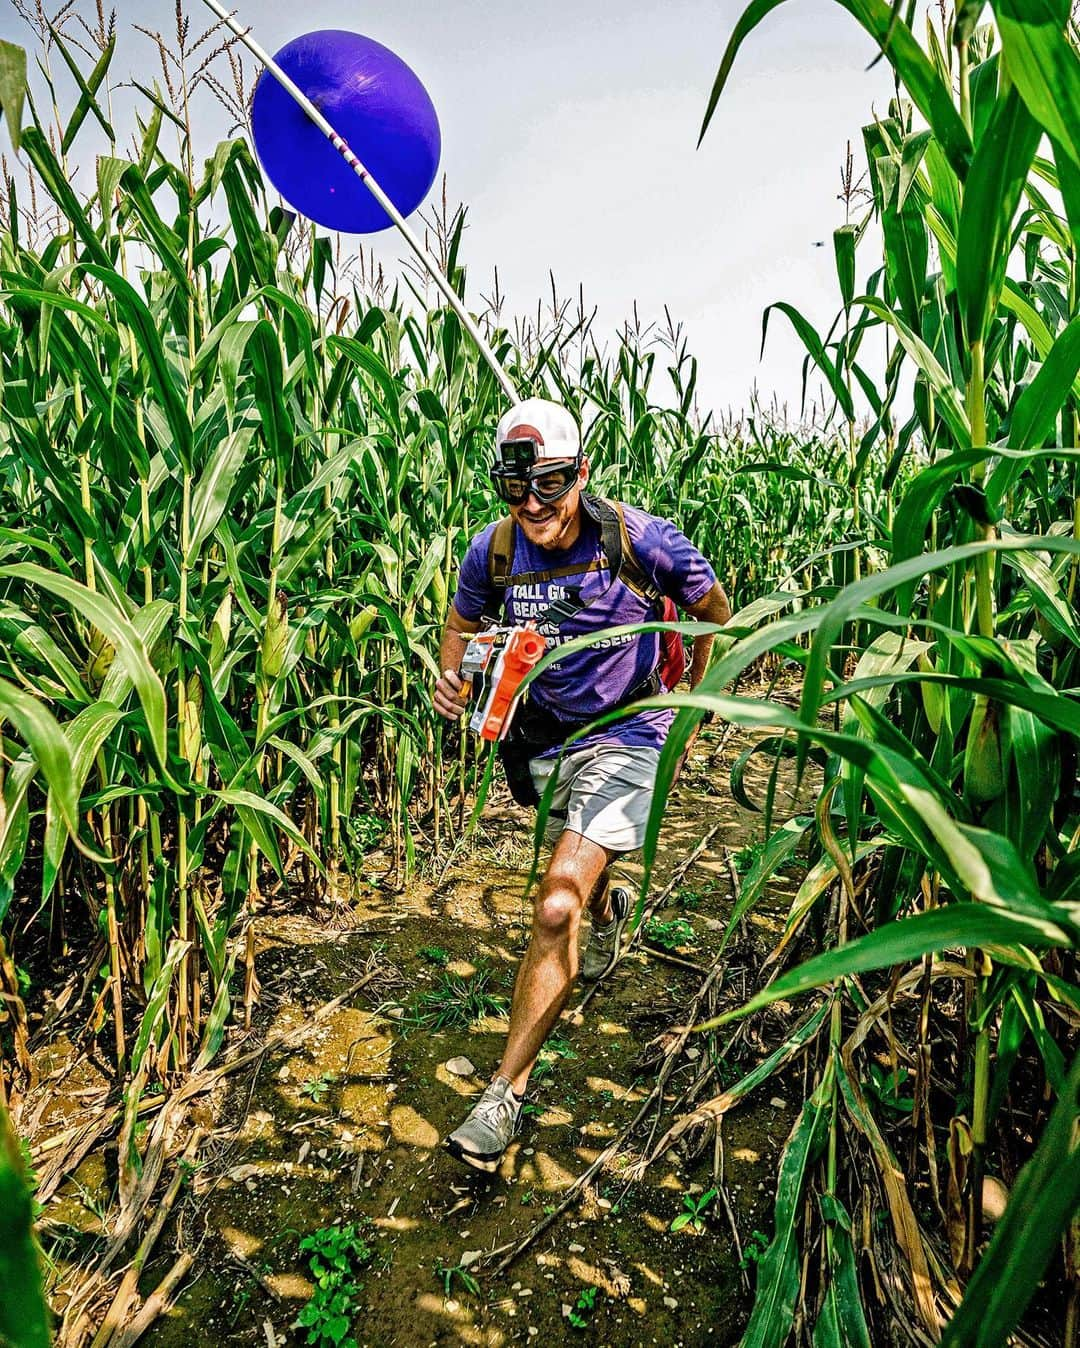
(449, 1274)
(456, 1001)
(691, 897)
(670, 934)
(24, 1316)
(582, 1310)
(937, 710)
(319, 1087)
(695, 1209)
(336, 1255)
(754, 1248)
(434, 954)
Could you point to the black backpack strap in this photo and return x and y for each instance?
(609, 518)
(619, 549)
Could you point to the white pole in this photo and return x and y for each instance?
(341, 145)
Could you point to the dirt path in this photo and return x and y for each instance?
(347, 1129)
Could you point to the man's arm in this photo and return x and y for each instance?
(712, 607)
(447, 698)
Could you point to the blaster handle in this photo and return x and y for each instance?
(522, 652)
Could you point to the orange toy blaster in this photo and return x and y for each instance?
(503, 655)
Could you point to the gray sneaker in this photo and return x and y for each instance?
(486, 1133)
(605, 943)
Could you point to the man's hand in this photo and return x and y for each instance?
(450, 699)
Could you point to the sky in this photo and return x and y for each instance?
(569, 130)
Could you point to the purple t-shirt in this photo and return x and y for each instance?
(589, 682)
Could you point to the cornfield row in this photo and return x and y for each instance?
(236, 485)
(236, 480)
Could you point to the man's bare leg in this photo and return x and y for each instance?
(576, 875)
(600, 901)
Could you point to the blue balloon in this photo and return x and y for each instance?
(375, 102)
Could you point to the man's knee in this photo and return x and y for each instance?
(558, 907)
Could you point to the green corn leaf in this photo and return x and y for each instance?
(816, 349)
(32, 640)
(12, 89)
(779, 849)
(215, 487)
(41, 156)
(791, 471)
(151, 1020)
(88, 89)
(139, 319)
(24, 1317)
(844, 240)
(14, 826)
(85, 734)
(149, 622)
(45, 740)
(1038, 407)
(1043, 65)
(1068, 182)
(303, 762)
(906, 246)
(250, 808)
(109, 173)
(130, 651)
(1043, 1201)
(992, 194)
(842, 1321)
(946, 399)
(778, 1269)
(166, 242)
(1016, 302)
(841, 610)
(927, 90)
(958, 925)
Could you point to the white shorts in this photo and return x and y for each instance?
(604, 792)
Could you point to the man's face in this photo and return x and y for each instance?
(552, 524)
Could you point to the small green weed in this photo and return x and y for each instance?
(317, 1089)
(555, 1047)
(447, 1274)
(456, 1002)
(745, 858)
(754, 1248)
(435, 954)
(337, 1253)
(695, 1207)
(886, 1088)
(582, 1310)
(670, 935)
(364, 831)
(691, 897)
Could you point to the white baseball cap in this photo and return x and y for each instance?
(550, 424)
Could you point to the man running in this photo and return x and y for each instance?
(557, 571)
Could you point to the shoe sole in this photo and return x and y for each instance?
(485, 1164)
